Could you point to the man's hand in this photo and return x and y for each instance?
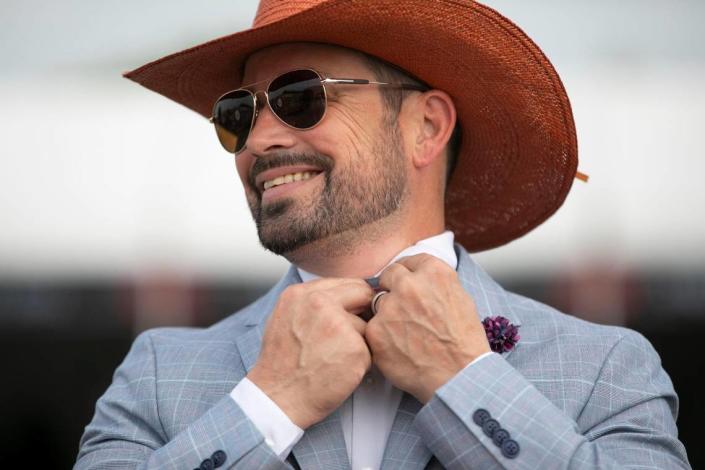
(314, 353)
(426, 329)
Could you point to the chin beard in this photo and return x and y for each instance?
(279, 231)
(354, 197)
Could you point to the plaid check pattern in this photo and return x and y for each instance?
(572, 394)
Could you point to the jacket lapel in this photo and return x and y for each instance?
(404, 448)
(322, 445)
(404, 445)
(489, 297)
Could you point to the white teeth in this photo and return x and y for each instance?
(290, 178)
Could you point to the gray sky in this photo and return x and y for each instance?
(41, 35)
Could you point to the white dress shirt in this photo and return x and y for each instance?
(367, 415)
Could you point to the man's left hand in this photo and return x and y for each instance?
(426, 329)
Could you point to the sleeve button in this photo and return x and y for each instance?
(490, 427)
(480, 416)
(500, 436)
(207, 464)
(510, 448)
(219, 457)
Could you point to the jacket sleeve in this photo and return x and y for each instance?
(126, 431)
(627, 421)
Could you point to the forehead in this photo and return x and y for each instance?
(271, 61)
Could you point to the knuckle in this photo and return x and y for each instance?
(372, 332)
(389, 270)
(425, 257)
(366, 364)
(435, 265)
(405, 285)
(362, 351)
(335, 324)
(358, 373)
(439, 270)
(318, 300)
(291, 293)
(363, 363)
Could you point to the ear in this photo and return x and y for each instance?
(435, 119)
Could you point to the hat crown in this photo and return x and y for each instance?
(270, 11)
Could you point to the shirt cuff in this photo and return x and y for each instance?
(279, 432)
(479, 358)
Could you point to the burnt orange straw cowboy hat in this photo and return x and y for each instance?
(518, 157)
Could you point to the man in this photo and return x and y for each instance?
(385, 346)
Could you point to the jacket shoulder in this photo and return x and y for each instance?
(543, 323)
(226, 330)
(573, 361)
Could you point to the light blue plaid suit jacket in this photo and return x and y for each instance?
(571, 393)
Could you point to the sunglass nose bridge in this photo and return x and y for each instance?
(260, 101)
(261, 98)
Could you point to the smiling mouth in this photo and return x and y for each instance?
(288, 178)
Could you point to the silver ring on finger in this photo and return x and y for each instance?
(376, 298)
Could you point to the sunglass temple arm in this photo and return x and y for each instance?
(362, 81)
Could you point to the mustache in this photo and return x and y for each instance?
(261, 164)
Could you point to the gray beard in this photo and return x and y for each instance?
(352, 197)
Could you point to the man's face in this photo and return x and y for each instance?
(344, 175)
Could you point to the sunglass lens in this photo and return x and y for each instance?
(298, 98)
(232, 116)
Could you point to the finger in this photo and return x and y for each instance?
(415, 262)
(377, 301)
(358, 323)
(354, 295)
(391, 275)
(329, 282)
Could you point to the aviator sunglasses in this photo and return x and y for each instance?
(297, 98)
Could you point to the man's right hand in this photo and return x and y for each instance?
(314, 352)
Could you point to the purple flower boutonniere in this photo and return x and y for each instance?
(501, 334)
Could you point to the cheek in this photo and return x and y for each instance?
(338, 137)
(320, 141)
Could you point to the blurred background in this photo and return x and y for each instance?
(119, 211)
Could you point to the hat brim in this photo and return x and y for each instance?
(518, 157)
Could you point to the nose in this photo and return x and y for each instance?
(268, 133)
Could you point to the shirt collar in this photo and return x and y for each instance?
(440, 246)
